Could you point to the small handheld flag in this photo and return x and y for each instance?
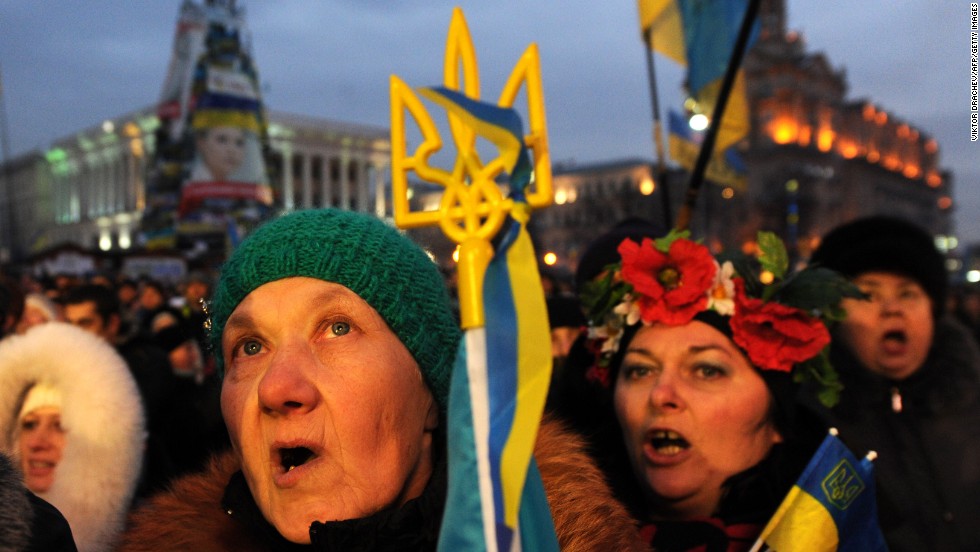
(831, 507)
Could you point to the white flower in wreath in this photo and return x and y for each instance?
(629, 310)
(721, 294)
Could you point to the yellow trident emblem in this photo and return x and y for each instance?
(472, 209)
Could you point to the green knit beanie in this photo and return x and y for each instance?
(372, 259)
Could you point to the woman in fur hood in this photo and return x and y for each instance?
(71, 417)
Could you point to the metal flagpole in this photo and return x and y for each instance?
(704, 155)
(658, 135)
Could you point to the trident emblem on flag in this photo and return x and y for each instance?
(472, 209)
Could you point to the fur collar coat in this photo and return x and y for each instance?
(101, 414)
(189, 516)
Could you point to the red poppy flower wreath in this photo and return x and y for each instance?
(781, 325)
(775, 336)
(670, 288)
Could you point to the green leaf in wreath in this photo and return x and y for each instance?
(772, 254)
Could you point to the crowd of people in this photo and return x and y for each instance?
(307, 405)
(107, 394)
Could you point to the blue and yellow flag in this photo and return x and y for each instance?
(701, 34)
(495, 500)
(711, 28)
(726, 168)
(831, 507)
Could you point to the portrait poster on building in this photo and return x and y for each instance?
(210, 171)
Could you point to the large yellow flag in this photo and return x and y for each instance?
(660, 23)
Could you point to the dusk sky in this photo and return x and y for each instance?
(67, 66)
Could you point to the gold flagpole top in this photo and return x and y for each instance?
(472, 208)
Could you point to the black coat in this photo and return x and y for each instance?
(928, 467)
(28, 523)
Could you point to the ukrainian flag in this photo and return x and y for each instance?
(832, 507)
(726, 169)
(711, 28)
(495, 500)
(701, 34)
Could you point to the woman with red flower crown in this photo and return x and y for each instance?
(692, 362)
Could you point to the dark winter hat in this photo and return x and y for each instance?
(888, 244)
(602, 251)
(372, 259)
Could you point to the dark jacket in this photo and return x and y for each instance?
(28, 523)
(928, 466)
(194, 513)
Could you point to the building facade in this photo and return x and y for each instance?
(89, 189)
(814, 159)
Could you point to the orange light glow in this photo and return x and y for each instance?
(881, 118)
(934, 180)
(550, 258)
(945, 202)
(647, 186)
(849, 150)
(891, 162)
(873, 157)
(561, 196)
(136, 148)
(868, 112)
(784, 131)
(131, 130)
(804, 135)
(911, 171)
(825, 139)
(931, 146)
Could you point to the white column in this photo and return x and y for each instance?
(378, 168)
(307, 181)
(288, 195)
(344, 180)
(326, 187)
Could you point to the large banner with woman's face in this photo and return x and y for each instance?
(209, 174)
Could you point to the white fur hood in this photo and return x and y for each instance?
(101, 413)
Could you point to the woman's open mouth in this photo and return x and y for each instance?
(667, 443)
(894, 341)
(291, 463)
(40, 467)
(290, 458)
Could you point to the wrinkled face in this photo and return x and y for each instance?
(222, 149)
(891, 334)
(325, 406)
(693, 412)
(41, 443)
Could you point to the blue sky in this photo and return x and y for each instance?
(69, 65)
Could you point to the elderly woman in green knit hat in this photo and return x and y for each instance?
(336, 338)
